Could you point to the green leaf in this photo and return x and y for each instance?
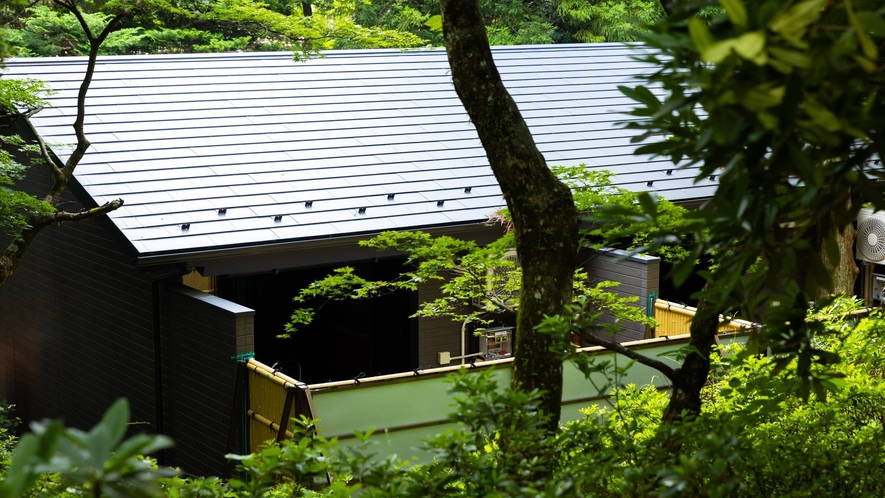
(869, 48)
(642, 94)
(751, 46)
(793, 58)
(866, 64)
(649, 204)
(821, 116)
(763, 96)
(872, 22)
(116, 419)
(736, 11)
(434, 23)
(797, 18)
(108, 433)
(19, 477)
(700, 35)
(834, 384)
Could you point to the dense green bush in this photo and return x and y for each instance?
(758, 436)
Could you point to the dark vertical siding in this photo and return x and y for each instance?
(201, 333)
(76, 329)
(436, 334)
(637, 276)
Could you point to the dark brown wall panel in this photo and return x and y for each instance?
(76, 329)
(201, 333)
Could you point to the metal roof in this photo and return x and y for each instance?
(215, 151)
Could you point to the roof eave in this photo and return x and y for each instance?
(256, 258)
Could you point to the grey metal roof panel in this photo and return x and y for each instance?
(180, 136)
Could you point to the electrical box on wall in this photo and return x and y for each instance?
(496, 343)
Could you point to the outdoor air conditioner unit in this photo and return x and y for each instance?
(871, 236)
(496, 280)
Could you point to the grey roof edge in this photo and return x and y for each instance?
(622, 254)
(466, 230)
(117, 235)
(212, 300)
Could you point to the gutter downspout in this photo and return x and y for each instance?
(158, 349)
(650, 310)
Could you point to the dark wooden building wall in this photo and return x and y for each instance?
(201, 333)
(436, 334)
(76, 329)
(638, 276)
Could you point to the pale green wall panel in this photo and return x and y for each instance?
(406, 411)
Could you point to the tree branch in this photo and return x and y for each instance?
(30, 112)
(44, 150)
(94, 44)
(111, 27)
(12, 256)
(79, 15)
(617, 347)
(66, 216)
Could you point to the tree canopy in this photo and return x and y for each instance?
(48, 28)
(41, 28)
(782, 102)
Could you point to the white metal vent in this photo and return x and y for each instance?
(871, 236)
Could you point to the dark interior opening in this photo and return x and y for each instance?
(347, 338)
(683, 293)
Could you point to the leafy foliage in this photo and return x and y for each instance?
(508, 22)
(15, 205)
(592, 190)
(477, 283)
(780, 101)
(161, 26)
(609, 20)
(755, 438)
(46, 32)
(99, 460)
(519, 22)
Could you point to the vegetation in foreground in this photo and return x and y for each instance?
(756, 437)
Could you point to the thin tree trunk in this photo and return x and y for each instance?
(62, 174)
(544, 215)
(690, 378)
(845, 271)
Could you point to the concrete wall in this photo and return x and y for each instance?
(201, 333)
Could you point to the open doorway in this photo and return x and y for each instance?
(347, 338)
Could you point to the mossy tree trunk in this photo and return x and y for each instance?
(691, 376)
(844, 271)
(544, 216)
